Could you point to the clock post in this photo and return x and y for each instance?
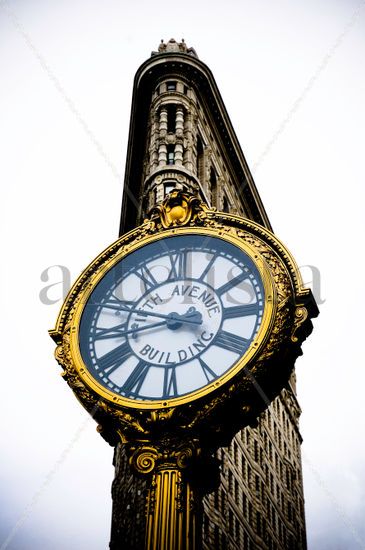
(175, 390)
(174, 498)
(182, 331)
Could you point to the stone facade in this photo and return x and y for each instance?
(259, 503)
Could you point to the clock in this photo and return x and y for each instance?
(191, 322)
(173, 319)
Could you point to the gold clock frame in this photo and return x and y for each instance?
(266, 364)
(109, 263)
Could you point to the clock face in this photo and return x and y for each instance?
(171, 318)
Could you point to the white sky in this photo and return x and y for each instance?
(291, 74)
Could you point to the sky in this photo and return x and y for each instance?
(291, 74)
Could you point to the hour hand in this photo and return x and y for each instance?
(192, 315)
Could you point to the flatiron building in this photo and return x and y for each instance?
(181, 137)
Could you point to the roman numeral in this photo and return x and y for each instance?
(178, 265)
(240, 311)
(170, 383)
(231, 342)
(109, 362)
(233, 282)
(209, 373)
(146, 277)
(135, 379)
(112, 332)
(209, 265)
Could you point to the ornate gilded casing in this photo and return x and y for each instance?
(212, 416)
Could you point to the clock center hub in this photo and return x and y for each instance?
(176, 322)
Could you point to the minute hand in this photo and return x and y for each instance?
(142, 312)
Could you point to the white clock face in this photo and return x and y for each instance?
(171, 317)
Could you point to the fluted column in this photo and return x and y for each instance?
(172, 505)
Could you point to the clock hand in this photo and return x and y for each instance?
(173, 320)
(142, 312)
(130, 331)
(191, 316)
(192, 313)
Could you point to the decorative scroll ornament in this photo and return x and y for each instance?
(143, 459)
(301, 314)
(169, 451)
(216, 415)
(178, 209)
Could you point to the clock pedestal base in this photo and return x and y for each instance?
(178, 478)
(173, 514)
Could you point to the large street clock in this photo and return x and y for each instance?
(170, 320)
(192, 314)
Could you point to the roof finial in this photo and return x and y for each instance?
(173, 46)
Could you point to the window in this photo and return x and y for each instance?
(185, 90)
(171, 118)
(230, 522)
(216, 536)
(170, 154)
(200, 159)
(256, 450)
(224, 501)
(144, 205)
(258, 523)
(249, 512)
(168, 187)
(216, 499)
(205, 524)
(244, 503)
(171, 86)
(213, 186)
(273, 518)
(257, 484)
(225, 204)
(235, 452)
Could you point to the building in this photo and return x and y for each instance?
(181, 137)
